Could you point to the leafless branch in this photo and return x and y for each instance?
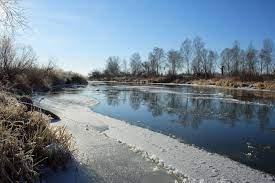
(12, 15)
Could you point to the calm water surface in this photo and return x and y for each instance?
(236, 123)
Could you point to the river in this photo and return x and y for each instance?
(239, 124)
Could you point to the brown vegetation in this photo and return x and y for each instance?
(232, 83)
(227, 82)
(19, 72)
(28, 142)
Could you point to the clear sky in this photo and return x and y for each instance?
(82, 34)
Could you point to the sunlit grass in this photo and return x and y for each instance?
(29, 142)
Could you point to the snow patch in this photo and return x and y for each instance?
(185, 161)
(153, 158)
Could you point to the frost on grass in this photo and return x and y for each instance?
(28, 142)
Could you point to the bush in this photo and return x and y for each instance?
(19, 71)
(95, 75)
(75, 79)
(28, 142)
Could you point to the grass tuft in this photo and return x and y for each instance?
(29, 143)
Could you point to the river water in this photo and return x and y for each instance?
(239, 124)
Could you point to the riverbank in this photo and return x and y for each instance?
(100, 158)
(229, 83)
(184, 161)
(189, 80)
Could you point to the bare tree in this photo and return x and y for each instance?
(231, 60)
(266, 55)
(198, 47)
(204, 59)
(242, 57)
(95, 74)
(153, 63)
(212, 58)
(225, 60)
(112, 66)
(146, 68)
(251, 59)
(174, 61)
(14, 60)
(159, 56)
(156, 59)
(7, 57)
(235, 58)
(124, 66)
(11, 15)
(136, 64)
(262, 57)
(186, 53)
(209, 58)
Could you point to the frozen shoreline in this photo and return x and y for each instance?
(185, 84)
(178, 158)
(98, 158)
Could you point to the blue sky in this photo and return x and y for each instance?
(82, 34)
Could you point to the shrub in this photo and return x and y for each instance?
(96, 74)
(78, 79)
(19, 71)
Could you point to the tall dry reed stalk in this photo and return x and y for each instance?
(28, 142)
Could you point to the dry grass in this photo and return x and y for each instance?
(28, 142)
(265, 85)
(20, 73)
(232, 83)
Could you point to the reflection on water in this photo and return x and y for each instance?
(236, 123)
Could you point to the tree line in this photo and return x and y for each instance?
(193, 58)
